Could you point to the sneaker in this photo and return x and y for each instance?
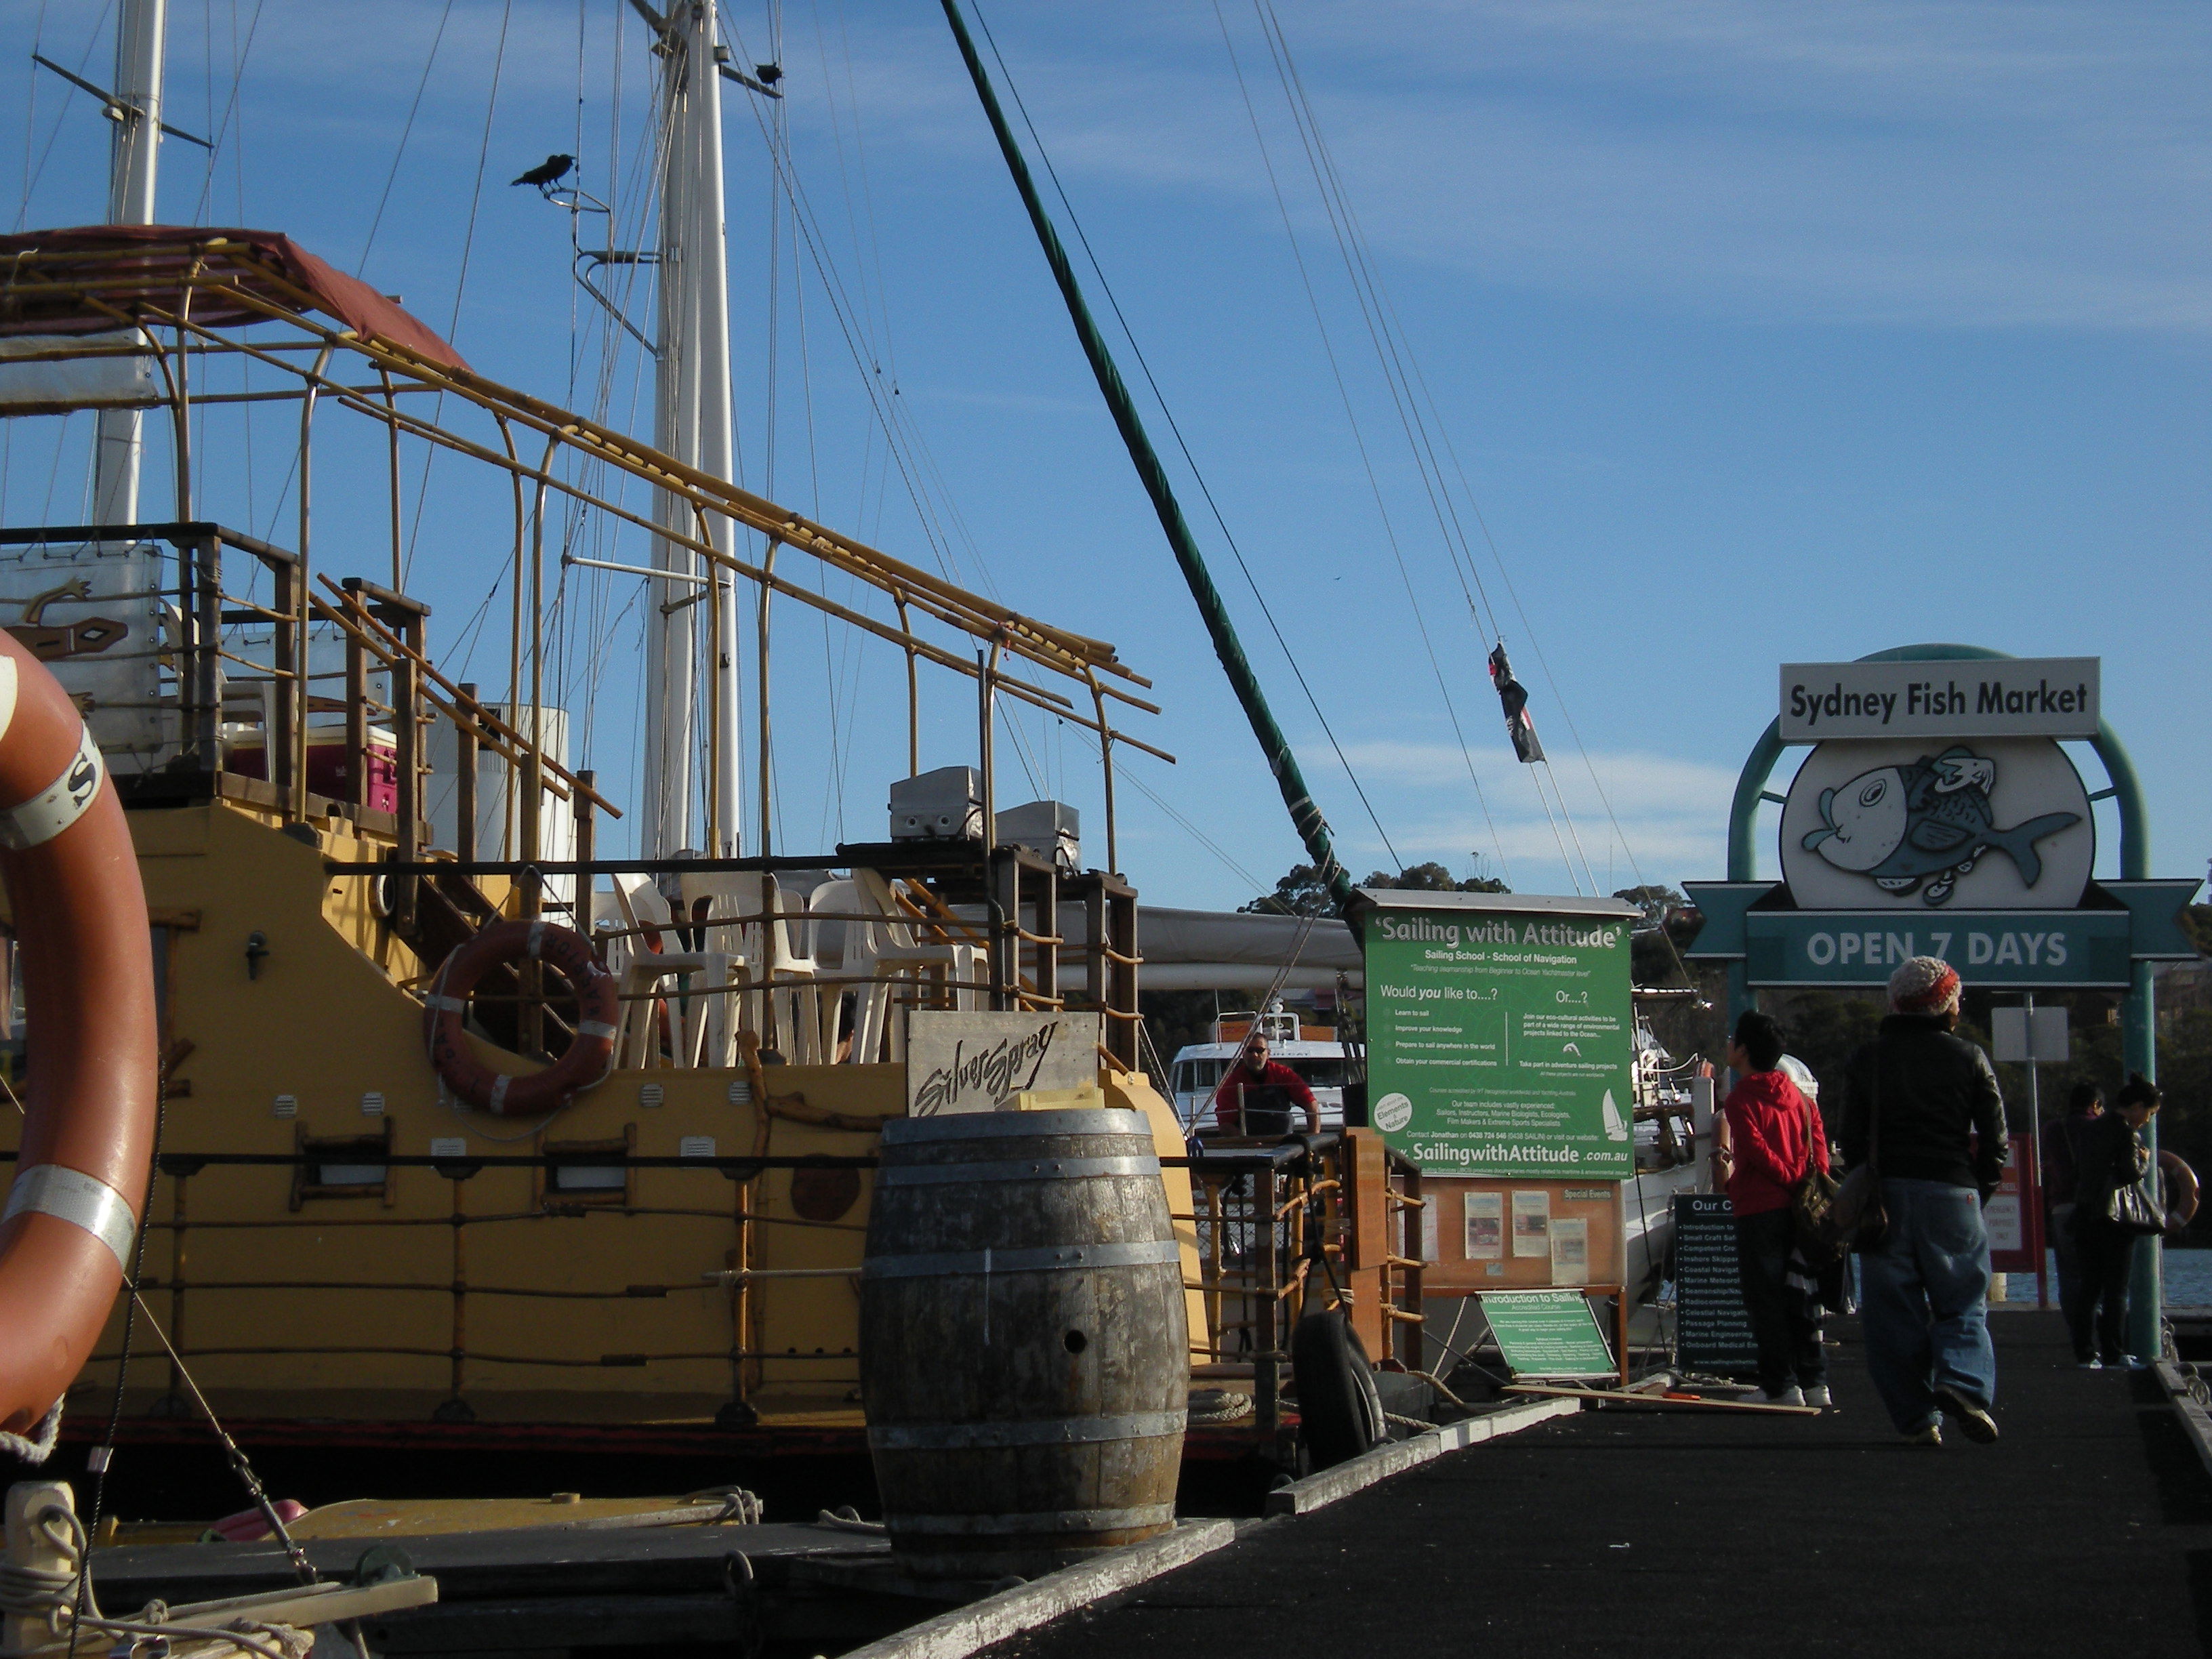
(1929, 1433)
(1818, 1395)
(2092, 1363)
(1974, 1421)
(1792, 1395)
(2136, 1365)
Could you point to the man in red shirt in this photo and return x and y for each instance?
(1775, 1135)
(1257, 1097)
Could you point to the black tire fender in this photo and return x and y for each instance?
(1339, 1412)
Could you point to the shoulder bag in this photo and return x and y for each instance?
(2132, 1207)
(1829, 1218)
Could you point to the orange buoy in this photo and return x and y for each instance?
(71, 1218)
(589, 1058)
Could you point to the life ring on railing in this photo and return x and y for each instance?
(590, 1056)
(71, 1218)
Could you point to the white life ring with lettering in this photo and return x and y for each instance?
(70, 1215)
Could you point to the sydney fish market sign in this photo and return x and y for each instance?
(1500, 1037)
(1937, 814)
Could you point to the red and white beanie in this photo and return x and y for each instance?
(1925, 985)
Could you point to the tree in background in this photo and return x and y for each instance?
(1304, 893)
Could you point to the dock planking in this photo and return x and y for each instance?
(2088, 1529)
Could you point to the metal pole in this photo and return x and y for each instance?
(1305, 816)
(2031, 1203)
(133, 158)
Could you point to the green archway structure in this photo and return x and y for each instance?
(2138, 1014)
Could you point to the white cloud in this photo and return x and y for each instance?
(1935, 163)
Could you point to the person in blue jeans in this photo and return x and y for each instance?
(1921, 1105)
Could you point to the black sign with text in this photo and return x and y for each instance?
(1712, 1333)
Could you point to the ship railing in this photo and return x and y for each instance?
(363, 1173)
(1281, 1230)
(942, 892)
(1311, 1224)
(209, 687)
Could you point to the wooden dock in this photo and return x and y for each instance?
(2087, 1529)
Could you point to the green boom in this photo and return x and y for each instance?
(1305, 816)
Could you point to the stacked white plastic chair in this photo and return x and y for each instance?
(781, 1001)
(885, 946)
(703, 1012)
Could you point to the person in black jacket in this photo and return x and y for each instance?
(1921, 1105)
(2060, 1179)
(2111, 1155)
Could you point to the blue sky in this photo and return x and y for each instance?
(1760, 333)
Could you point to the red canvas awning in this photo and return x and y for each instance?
(50, 281)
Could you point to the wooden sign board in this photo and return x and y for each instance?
(1491, 1233)
(981, 1062)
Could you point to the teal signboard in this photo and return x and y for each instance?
(1547, 1333)
(1499, 1042)
(2027, 948)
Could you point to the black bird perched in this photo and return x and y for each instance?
(769, 73)
(547, 172)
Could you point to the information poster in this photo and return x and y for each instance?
(1571, 1251)
(1485, 1226)
(1532, 1223)
(1500, 1044)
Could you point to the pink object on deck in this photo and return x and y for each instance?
(251, 1526)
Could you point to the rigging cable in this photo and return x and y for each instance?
(239, 56)
(1044, 156)
(1402, 372)
(1359, 440)
(405, 131)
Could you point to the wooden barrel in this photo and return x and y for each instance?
(1024, 1355)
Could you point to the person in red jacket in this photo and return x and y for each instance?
(1775, 1135)
(1257, 1095)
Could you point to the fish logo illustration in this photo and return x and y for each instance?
(1928, 821)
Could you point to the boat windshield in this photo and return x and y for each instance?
(1319, 1071)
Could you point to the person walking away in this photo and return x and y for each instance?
(1774, 1136)
(2112, 1156)
(1923, 1103)
(2061, 1151)
(1258, 1096)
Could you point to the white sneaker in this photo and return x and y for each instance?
(1792, 1395)
(1818, 1395)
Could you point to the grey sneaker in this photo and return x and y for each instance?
(1792, 1395)
(1929, 1433)
(1974, 1421)
(1818, 1395)
(2092, 1363)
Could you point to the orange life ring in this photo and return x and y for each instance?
(71, 1218)
(589, 1057)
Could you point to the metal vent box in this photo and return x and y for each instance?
(1050, 828)
(946, 805)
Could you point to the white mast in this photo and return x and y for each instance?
(133, 154)
(691, 421)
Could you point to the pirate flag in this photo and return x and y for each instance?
(1515, 696)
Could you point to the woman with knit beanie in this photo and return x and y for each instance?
(1921, 1106)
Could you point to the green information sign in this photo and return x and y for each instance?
(1500, 1042)
(1547, 1333)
